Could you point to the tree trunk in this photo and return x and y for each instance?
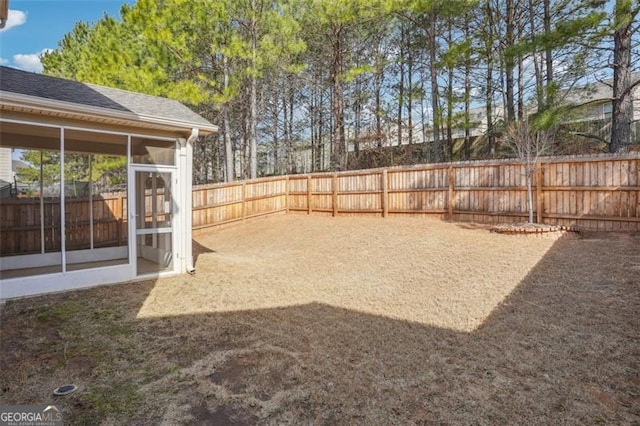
(450, 115)
(489, 83)
(246, 144)
(622, 112)
(378, 96)
(338, 157)
(253, 115)
(449, 126)
(426, 153)
(289, 127)
(509, 62)
(520, 77)
(401, 85)
(535, 58)
(409, 90)
(433, 70)
(228, 147)
(467, 94)
(548, 55)
(357, 113)
(320, 165)
(253, 143)
(274, 131)
(314, 131)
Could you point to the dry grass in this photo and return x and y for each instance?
(350, 321)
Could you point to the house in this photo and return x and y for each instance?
(6, 173)
(67, 231)
(592, 109)
(6, 169)
(304, 156)
(588, 117)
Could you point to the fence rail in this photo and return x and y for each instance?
(595, 193)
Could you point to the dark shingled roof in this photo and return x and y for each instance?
(59, 89)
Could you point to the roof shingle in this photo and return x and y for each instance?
(59, 89)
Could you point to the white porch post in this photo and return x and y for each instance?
(186, 176)
(63, 216)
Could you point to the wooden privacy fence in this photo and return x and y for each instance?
(22, 220)
(220, 204)
(596, 193)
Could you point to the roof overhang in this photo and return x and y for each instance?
(34, 105)
(4, 12)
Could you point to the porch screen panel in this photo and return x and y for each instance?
(95, 199)
(30, 178)
(77, 187)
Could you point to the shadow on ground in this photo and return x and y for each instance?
(562, 348)
(198, 249)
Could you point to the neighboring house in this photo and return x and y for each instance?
(6, 168)
(6, 189)
(592, 110)
(68, 239)
(590, 117)
(305, 156)
(9, 187)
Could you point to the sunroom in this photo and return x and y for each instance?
(95, 184)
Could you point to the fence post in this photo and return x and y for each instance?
(121, 218)
(244, 200)
(286, 194)
(385, 194)
(309, 209)
(451, 192)
(334, 195)
(539, 191)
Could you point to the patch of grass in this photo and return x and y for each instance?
(106, 315)
(87, 418)
(119, 330)
(58, 312)
(118, 400)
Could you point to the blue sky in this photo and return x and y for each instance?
(35, 26)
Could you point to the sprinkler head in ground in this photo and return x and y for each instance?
(65, 390)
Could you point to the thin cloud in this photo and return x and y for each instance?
(14, 19)
(30, 61)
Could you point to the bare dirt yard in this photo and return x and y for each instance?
(319, 320)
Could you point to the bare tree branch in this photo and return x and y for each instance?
(528, 145)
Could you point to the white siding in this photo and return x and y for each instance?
(6, 173)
